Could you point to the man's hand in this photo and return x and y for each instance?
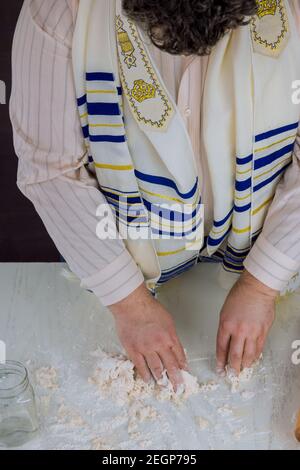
(246, 318)
(148, 334)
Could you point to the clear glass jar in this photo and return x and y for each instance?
(18, 416)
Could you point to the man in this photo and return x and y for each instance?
(143, 74)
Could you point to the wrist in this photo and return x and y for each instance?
(252, 284)
(133, 302)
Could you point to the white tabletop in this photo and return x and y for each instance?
(47, 320)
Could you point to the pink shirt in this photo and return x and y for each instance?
(48, 141)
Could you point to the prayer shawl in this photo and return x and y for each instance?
(138, 145)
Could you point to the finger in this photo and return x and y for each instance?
(236, 350)
(170, 362)
(140, 364)
(141, 367)
(180, 355)
(155, 365)
(260, 344)
(249, 355)
(223, 341)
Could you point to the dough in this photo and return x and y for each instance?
(116, 377)
(46, 377)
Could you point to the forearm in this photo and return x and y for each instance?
(68, 210)
(275, 257)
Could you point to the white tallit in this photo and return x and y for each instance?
(140, 150)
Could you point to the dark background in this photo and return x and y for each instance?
(22, 234)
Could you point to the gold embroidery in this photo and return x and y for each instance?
(266, 7)
(273, 46)
(143, 91)
(157, 90)
(126, 45)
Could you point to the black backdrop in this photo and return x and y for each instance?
(22, 234)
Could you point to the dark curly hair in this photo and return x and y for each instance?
(186, 27)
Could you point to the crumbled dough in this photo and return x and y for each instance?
(246, 374)
(47, 378)
(202, 423)
(99, 444)
(209, 386)
(115, 377)
(139, 412)
(69, 417)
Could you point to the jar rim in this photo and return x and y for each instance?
(18, 367)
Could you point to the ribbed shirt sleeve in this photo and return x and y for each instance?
(51, 150)
(275, 257)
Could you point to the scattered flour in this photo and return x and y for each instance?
(69, 417)
(225, 410)
(238, 434)
(202, 423)
(248, 395)
(138, 413)
(47, 378)
(115, 377)
(99, 444)
(209, 386)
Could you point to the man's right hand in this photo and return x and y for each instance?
(147, 332)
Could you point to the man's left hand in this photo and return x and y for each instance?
(246, 318)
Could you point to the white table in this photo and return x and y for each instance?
(47, 320)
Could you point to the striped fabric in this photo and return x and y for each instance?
(257, 177)
(52, 157)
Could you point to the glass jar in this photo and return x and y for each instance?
(18, 416)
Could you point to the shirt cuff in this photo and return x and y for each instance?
(269, 265)
(116, 281)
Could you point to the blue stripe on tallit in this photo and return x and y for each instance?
(243, 185)
(279, 130)
(244, 160)
(161, 180)
(129, 199)
(123, 194)
(100, 77)
(219, 223)
(129, 220)
(269, 180)
(171, 274)
(108, 138)
(216, 241)
(86, 132)
(237, 254)
(177, 234)
(261, 162)
(81, 100)
(168, 214)
(240, 209)
(232, 267)
(104, 109)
